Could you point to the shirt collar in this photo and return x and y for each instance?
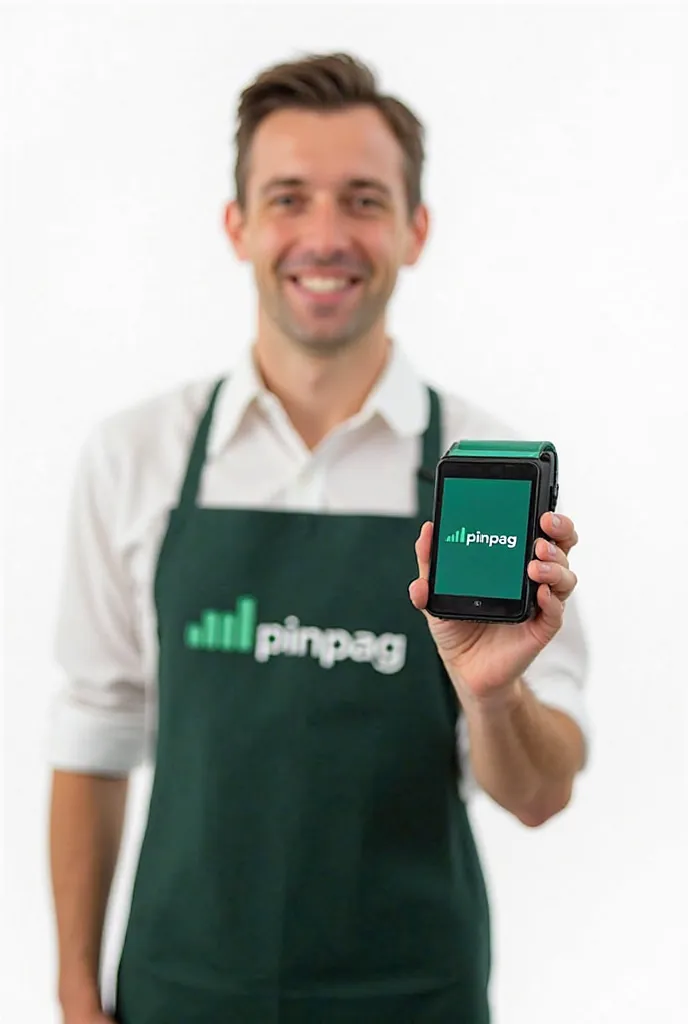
(239, 391)
(399, 397)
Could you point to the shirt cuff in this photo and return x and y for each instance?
(563, 694)
(80, 739)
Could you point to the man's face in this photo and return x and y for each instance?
(326, 224)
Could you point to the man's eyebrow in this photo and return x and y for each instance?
(370, 183)
(282, 183)
(355, 183)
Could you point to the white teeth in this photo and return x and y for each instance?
(324, 284)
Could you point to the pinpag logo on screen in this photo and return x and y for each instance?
(463, 536)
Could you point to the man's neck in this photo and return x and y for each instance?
(319, 393)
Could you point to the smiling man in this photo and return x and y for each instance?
(241, 551)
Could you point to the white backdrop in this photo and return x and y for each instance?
(552, 292)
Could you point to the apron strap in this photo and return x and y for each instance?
(431, 452)
(198, 453)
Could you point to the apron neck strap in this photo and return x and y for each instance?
(198, 453)
(426, 471)
(432, 451)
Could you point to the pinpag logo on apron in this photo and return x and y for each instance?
(238, 632)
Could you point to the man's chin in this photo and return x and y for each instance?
(323, 343)
(325, 346)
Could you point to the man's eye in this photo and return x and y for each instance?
(368, 202)
(288, 200)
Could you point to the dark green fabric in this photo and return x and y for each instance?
(307, 857)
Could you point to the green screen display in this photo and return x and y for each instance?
(481, 547)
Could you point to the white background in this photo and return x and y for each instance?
(553, 292)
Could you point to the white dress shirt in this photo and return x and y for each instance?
(129, 475)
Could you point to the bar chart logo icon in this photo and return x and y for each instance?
(225, 631)
(457, 537)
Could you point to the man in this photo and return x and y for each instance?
(243, 550)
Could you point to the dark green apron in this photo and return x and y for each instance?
(307, 857)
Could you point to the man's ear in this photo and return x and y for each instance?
(234, 229)
(419, 230)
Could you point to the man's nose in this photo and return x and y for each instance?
(325, 228)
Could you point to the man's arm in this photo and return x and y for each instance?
(523, 754)
(86, 821)
(96, 728)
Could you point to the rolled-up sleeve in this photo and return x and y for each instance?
(96, 722)
(558, 674)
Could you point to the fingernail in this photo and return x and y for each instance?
(556, 522)
(553, 550)
(545, 568)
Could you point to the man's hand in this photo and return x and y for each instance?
(485, 662)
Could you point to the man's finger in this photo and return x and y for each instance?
(561, 580)
(551, 612)
(566, 585)
(561, 529)
(418, 592)
(548, 551)
(423, 548)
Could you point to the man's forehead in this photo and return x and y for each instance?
(334, 148)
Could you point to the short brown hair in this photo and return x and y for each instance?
(326, 82)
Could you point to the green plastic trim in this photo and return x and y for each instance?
(501, 449)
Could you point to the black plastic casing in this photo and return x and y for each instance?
(543, 472)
